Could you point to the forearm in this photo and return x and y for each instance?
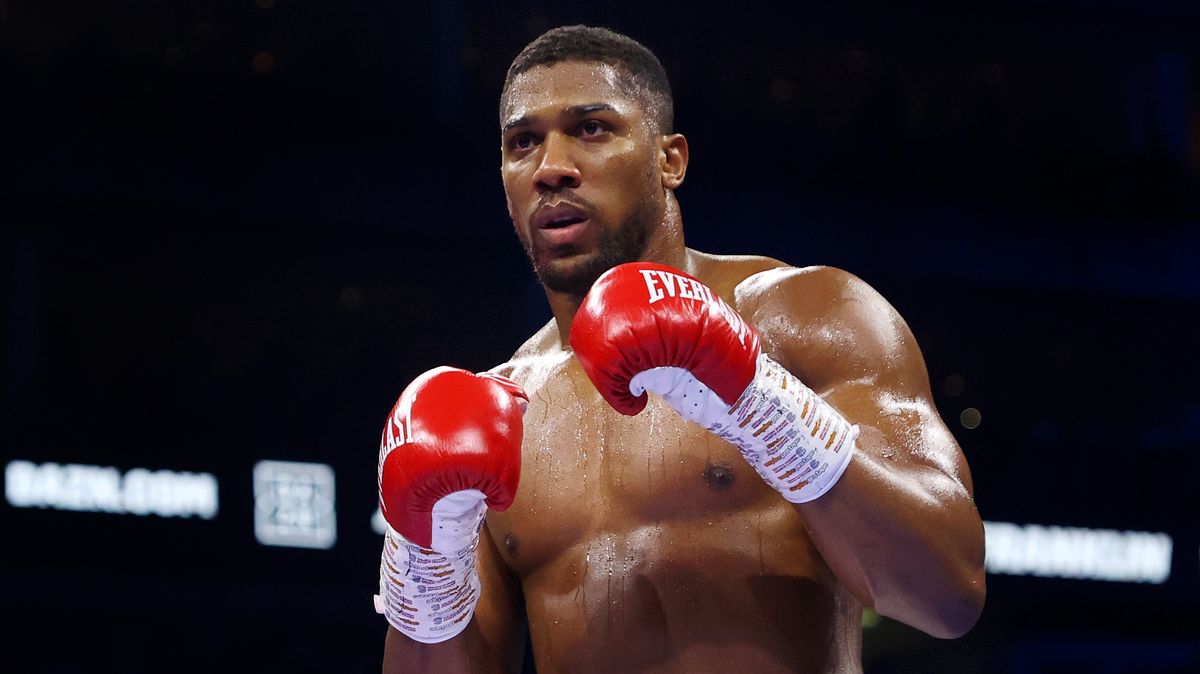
(905, 540)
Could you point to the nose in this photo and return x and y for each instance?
(557, 169)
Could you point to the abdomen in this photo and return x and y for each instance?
(692, 596)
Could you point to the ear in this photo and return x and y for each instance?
(673, 160)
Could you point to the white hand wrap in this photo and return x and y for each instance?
(795, 440)
(427, 595)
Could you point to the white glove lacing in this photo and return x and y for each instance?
(426, 594)
(798, 443)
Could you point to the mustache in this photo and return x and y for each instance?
(566, 196)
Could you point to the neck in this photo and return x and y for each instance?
(665, 247)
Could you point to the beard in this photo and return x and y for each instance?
(575, 276)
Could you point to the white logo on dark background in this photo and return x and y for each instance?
(294, 504)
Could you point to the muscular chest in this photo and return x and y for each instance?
(587, 470)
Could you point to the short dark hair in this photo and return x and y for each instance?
(647, 78)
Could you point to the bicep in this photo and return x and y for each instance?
(887, 393)
(847, 343)
(884, 389)
(902, 428)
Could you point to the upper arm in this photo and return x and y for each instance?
(847, 343)
(493, 641)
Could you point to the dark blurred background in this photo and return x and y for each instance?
(234, 230)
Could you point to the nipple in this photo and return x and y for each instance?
(719, 476)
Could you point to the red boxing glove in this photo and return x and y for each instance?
(639, 316)
(453, 438)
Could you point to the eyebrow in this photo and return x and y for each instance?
(572, 111)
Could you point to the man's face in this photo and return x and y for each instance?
(580, 163)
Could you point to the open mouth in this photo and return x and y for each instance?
(558, 216)
(565, 231)
(563, 222)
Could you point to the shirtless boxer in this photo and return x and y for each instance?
(788, 468)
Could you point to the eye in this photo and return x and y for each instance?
(591, 127)
(521, 141)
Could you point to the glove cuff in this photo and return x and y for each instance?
(795, 440)
(798, 443)
(426, 595)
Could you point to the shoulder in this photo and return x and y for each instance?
(828, 322)
(819, 294)
(724, 273)
(535, 361)
(787, 284)
(749, 280)
(529, 353)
